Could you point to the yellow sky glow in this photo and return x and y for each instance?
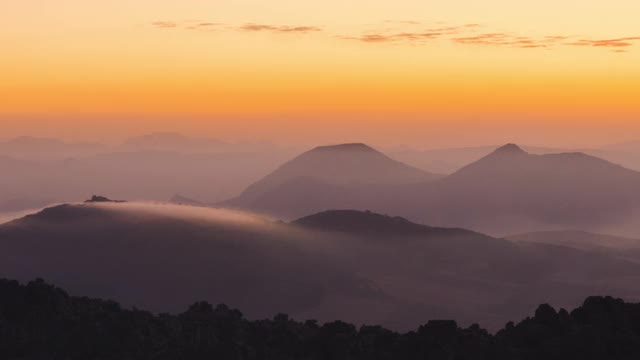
(423, 64)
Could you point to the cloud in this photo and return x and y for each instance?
(556, 37)
(203, 26)
(164, 24)
(414, 33)
(250, 27)
(510, 40)
(614, 43)
(279, 28)
(410, 36)
(399, 37)
(469, 34)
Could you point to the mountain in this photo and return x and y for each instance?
(450, 160)
(345, 164)
(358, 266)
(338, 176)
(466, 275)
(370, 224)
(510, 191)
(162, 256)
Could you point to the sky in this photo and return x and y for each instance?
(416, 72)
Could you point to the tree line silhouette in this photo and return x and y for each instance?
(41, 321)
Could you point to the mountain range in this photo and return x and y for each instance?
(507, 191)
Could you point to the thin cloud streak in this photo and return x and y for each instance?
(466, 34)
(505, 39)
(412, 36)
(279, 28)
(164, 24)
(203, 26)
(250, 27)
(619, 42)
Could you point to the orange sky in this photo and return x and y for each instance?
(405, 71)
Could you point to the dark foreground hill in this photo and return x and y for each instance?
(356, 266)
(40, 321)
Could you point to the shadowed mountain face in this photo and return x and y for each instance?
(326, 177)
(357, 266)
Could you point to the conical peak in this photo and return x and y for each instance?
(510, 149)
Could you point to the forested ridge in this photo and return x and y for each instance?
(40, 321)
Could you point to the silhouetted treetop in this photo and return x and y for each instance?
(40, 321)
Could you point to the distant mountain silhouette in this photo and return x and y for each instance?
(371, 224)
(346, 164)
(510, 190)
(450, 160)
(507, 191)
(327, 177)
(357, 266)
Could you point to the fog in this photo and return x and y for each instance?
(62, 172)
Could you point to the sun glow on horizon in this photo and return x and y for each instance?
(421, 64)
